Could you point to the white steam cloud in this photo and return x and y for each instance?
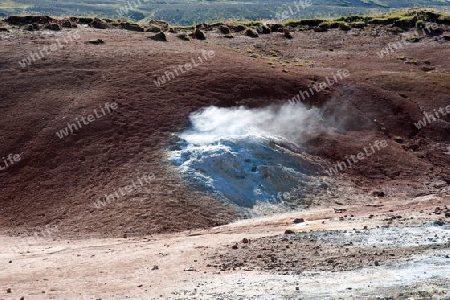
(214, 123)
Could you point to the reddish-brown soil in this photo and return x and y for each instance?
(57, 181)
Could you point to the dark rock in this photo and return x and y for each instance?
(224, 29)
(3, 29)
(96, 42)
(24, 20)
(8, 290)
(439, 222)
(377, 263)
(155, 268)
(153, 28)
(288, 35)
(132, 27)
(251, 33)
(235, 246)
(198, 34)
(299, 220)
(288, 231)
(66, 23)
(239, 28)
(263, 29)
(378, 194)
(161, 36)
(320, 29)
(162, 25)
(97, 23)
(245, 240)
(276, 27)
(53, 26)
(184, 37)
(85, 20)
(344, 27)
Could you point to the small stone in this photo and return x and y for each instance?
(190, 269)
(439, 222)
(377, 263)
(160, 36)
(235, 246)
(8, 290)
(245, 240)
(251, 33)
(298, 220)
(288, 231)
(378, 194)
(155, 267)
(224, 29)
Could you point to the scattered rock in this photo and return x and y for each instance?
(439, 222)
(153, 28)
(235, 246)
(339, 210)
(344, 27)
(97, 23)
(245, 240)
(162, 25)
(377, 263)
(132, 27)
(224, 29)
(378, 194)
(288, 231)
(239, 28)
(161, 36)
(184, 37)
(288, 35)
(320, 29)
(85, 20)
(276, 27)
(263, 29)
(155, 267)
(53, 26)
(298, 220)
(96, 42)
(251, 33)
(66, 23)
(24, 20)
(198, 34)
(3, 29)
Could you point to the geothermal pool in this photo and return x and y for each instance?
(246, 155)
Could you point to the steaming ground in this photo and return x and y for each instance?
(249, 156)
